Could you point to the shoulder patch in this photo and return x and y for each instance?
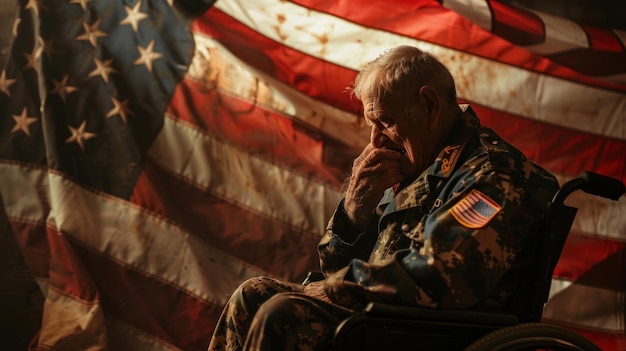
(475, 210)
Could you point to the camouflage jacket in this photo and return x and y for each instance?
(462, 235)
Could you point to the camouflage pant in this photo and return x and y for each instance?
(267, 314)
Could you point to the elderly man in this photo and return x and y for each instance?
(438, 212)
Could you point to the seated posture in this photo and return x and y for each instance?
(438, 212)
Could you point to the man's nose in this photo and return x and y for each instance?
(377, 137)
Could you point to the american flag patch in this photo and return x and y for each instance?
(475, 210)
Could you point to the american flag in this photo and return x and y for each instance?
(155, 154)
(475, 209)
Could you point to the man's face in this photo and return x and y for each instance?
(394, 129)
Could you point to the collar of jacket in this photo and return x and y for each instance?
(426, 187)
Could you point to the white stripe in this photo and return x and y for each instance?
(558, 285)
(123, 231)
(497, 85)
(597, 216)
(68, 323)
(239, 178)
(477, 11)
(581, 305)
(560, 35)
(125, 337)
(213, 64)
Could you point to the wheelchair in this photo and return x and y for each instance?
(391, 327)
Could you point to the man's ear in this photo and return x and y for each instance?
(432, 105)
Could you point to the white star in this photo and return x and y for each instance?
(119, 108)
(79, 136)
(83, 3)
(147, 56)
(22, 122)
(61, 88)
(133, 16)
(92, 33)
(31, 59)
(5, 83)
(46, 46)
(103, 69)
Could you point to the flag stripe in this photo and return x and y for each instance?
(167, 312)
(606, 341)
(433, 24)
(479, 12)
(581, 253)
(590, 50)
(552, 147)
(516, 24)
(560, 34)
(214, 67)
(601, 308)
(125, 337)
(604, 40)
(267, 242)
(150, 304)
(593, 111)
(597, 217)
(75, 314)
(275, 137)
(544, 143)
(33, 241)
(208, 163)
(124, 227)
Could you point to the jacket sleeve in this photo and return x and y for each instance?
(341, 242)
(463, 257)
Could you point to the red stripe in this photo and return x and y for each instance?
(546, 144)
(148, 304)
(251, 237)
(302, 72)
(589, 260)
(430, 22)
(592, 62)
(33, 242)
(314, 72)
(271, 136)
(605, 341)
(67, 271)
(517, 25)
(603, 39)
(558, 149)
(310, 75)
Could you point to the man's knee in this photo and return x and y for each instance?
(282, 304)
(291, 321)
(289, 308)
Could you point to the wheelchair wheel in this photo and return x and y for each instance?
(531, 337)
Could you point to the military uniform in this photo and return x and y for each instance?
(461, 235)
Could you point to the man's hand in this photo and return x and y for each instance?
(374, 171)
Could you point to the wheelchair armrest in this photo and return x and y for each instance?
(380, 310)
